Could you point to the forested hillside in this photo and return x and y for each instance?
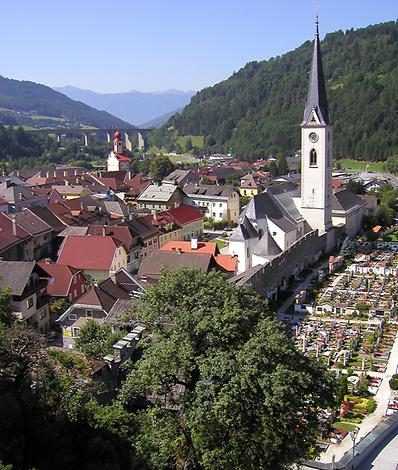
(26, 103)
(257, 111)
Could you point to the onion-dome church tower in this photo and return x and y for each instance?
(316, 149)
(117, 160)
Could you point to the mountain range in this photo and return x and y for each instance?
(258, 110)
(144, 109)
(34, 105)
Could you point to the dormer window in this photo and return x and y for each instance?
(313, 157)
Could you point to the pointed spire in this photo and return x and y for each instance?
(316, 98)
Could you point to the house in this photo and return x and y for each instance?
(70, 191)
(20, 197)
(224, 262)
(97, 256)
(251, 185)
(166, 225)
(161, 197)
(190, 219)
(64, 282)
(117, 160)
(102, 303)
(15, 242)
(348, 209)
(221, 203)
(40, 232)
(123, 235)
(146, 233)
(28, 285)
(180, 177)
(153, 265)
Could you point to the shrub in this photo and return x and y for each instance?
(371, 406)
(394, 382)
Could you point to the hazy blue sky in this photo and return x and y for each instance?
(159, 44)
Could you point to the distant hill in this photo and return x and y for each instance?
(258, 110)
(133, 106)
(159, 121)
(35, 105)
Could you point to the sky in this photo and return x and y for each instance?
(155, 45)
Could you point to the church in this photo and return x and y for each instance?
(275, 221)
(117, 160)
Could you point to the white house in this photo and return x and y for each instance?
(221, 203)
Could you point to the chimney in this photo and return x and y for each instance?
(14, 226)
(194, 243)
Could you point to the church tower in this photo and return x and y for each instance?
(316, 150)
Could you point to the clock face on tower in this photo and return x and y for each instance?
(313, 137)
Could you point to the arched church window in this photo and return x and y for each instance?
(313, 157)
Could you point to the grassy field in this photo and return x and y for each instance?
(356, 165)
(197, 140)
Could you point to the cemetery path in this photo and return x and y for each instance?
(300, 287)
(370, 422)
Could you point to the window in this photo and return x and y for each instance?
(29, 302)
(89, 314)
(72, 317)
(313, 157)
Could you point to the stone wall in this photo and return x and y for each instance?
(267, 279)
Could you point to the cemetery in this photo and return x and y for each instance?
(351, 326)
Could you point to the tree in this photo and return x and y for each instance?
(6, 316)
(160, 167)
(95, 339)
(229, 390)
(273, 169)
(348, 247)
(283, 168)
(188, 144)
(356, 187)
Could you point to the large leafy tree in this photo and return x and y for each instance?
(95, 339)
(160, 167)
(227, 388)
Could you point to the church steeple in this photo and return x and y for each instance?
(316, 99)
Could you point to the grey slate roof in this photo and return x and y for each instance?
(31, 222)
(244, 231)
(316, 98)
(15, 275)
(158, 193)
(152, 265)
(211, 190)
(267, 246)
(48, 217)
(344, 200)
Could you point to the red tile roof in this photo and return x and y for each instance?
(185, 247)
(61, 277)
(336, 183)
(120, 233)
(122, 158)
(227, 263)
(92, 252)
(186, 214)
